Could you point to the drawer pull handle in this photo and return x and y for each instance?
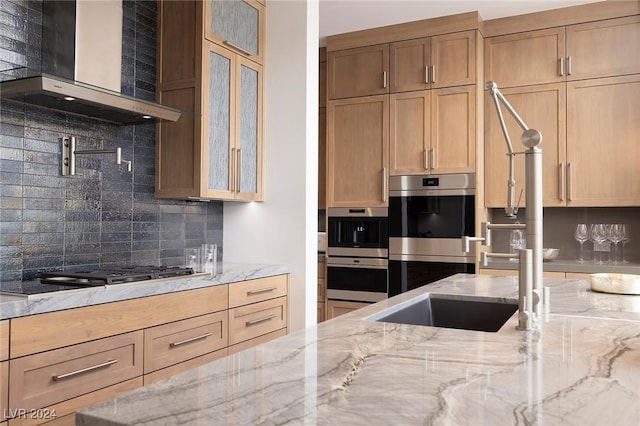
(259, 320)
(193, 339)
(84, 370)
(262, 290)
(238, 48)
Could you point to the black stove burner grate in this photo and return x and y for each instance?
(124, 274)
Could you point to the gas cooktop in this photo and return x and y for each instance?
(78, 279)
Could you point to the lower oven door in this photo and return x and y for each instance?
(357, 279)
(407, 272)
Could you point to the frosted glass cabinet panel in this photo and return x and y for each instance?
(220, 113)
(238, 25)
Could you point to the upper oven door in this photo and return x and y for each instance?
(357, 232)
(432, 207)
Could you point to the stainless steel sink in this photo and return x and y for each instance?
(451, 311)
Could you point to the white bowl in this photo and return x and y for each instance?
(550, 254)
(616, 283)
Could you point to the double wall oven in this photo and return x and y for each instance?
(428, 216)
(357, 250)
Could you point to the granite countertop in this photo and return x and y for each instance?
(12, 306)
(581, 368)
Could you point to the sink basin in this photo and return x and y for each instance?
(451, 311)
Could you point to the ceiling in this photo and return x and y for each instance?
(341, 16)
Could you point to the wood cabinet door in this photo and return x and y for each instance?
(358, 152)
(533, 57)
(238, 25)
(335, 308)
(322, 158)
(542, 107)
(453, 130)
(4, 340)
(322, 83)
(604, 48)
(409, 132)
(358, 72)
(409, 63)
(602, 142)
(453, 59)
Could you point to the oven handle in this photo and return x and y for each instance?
(359, 263)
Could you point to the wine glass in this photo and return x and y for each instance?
(581, 235)
(615, 236)
(624, 232)
(598, 235)
(517, 242)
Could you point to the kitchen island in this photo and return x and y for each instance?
(582, 367)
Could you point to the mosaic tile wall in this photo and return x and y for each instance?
(105, 215)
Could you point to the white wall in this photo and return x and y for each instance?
(283, 229)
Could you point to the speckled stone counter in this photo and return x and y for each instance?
(562, 265)
(581, 368)
(16, 306)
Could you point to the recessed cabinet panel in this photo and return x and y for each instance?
(453, 58)
(602, 142)
(237, 25)
(543, 107)
(359, 72)
(220, 116)
(410, 132)
(410, 65)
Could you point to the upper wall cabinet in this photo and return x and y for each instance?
(359, 72)
(215, 150)
(238, 25)
(433, 62)
(597, 49)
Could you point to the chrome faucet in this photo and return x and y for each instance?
(530, 290)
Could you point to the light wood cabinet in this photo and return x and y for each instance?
(322, 312)
(602, 142)
(433, 131)
(361, 71)
(257, 290)
(432, 62)
(322, 158)
(214, 151)
(257, 341)
(322, 291)
(4, 340)
(250, 321)
(336, 308)
(50, 377)
(4, 389)
(543, 108)
(237, 25)
(169, 344)
(358, 152)
(181, 367)
(575, 52)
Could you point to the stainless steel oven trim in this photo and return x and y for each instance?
(458, 181)
(357, 252)
(357, 262)
(431, 192)
(356, 296)
(358, 212)
(429, 247)
(427, 259)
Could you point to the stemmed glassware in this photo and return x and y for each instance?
(598, 235)
(581, 234)
(614, 235)
(624, 233)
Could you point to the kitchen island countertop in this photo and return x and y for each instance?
(581, 368)
(12, 306)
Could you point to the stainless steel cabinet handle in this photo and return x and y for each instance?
(569, 65)
(238, 48)
(193, 339)
(561, 66)
(384, 184)
(238, 169)
(262, 290)
(232, 163)
(569, 182)
(426, 159)
(84, 370)
(433, 158)
(384, 79)
(259, 320)
(426, 75)
(562, 186)
(433, 73)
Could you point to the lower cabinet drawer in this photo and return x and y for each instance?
(257, 341)
(165, 373)
(170, 344)
(249, 321)
(4, 388)
(50, 377)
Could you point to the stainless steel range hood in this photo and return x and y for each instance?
(81, 60)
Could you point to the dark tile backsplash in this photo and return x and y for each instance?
(104, 215)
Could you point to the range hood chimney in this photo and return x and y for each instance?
(82, 66)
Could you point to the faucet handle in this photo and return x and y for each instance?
(466, 240)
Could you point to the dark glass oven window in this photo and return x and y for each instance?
(406, 275)
(357, 279)
(358, 232)
(450, 216)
